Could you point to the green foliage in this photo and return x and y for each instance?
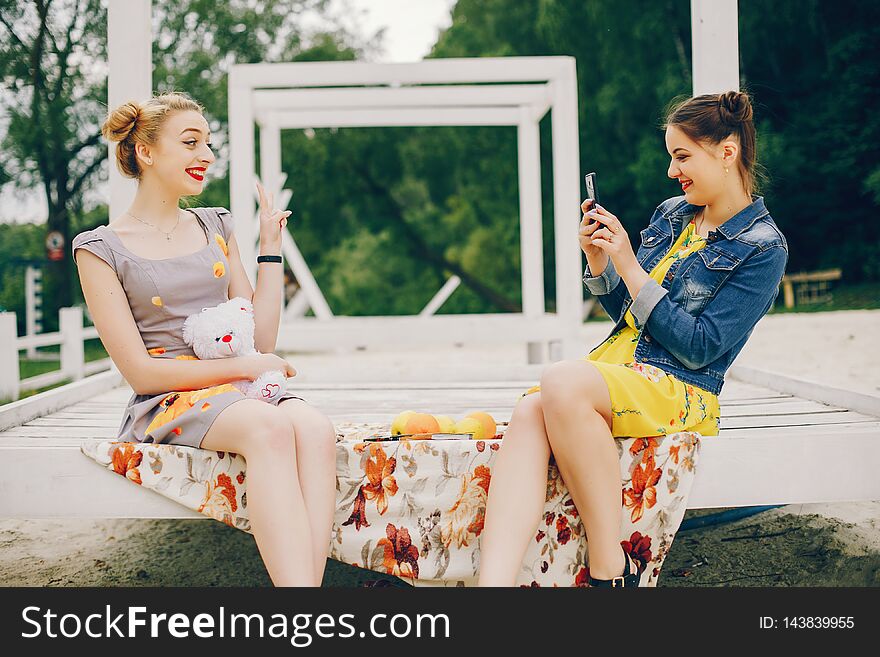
(51, 106)
(813, 68)
(20, 245)
(385, 216)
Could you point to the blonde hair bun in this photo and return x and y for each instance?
(121, 121)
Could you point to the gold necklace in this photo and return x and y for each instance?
(167, 235)
(697, 228)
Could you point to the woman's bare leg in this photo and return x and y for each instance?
(517, 493)
(577, 414)
(262, 434)
(315, 439)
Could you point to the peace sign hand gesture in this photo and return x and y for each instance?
(272, 221)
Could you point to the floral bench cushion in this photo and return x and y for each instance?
(415, 508)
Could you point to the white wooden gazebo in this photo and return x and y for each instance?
(447, 92)
(514, 92)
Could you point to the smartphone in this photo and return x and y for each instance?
(590, 180)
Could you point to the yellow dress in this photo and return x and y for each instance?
(645, 400)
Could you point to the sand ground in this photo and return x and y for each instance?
(796, 545)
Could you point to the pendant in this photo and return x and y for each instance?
(168, 237)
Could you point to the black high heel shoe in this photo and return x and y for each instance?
(629, 578)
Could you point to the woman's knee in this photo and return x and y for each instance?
(576, 385)
(269, 431)
(529, 410)
(527, 421)
(568, 381)
(313, 429)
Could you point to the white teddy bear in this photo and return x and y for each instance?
(225, 331)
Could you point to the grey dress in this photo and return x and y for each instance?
(161, 294)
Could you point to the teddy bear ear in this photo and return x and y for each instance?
(244, 304)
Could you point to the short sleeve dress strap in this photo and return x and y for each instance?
(225, 221)
(218, 220)
(94, 241)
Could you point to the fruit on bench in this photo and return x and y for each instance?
(399, 423)
(421, 425)
(447, 424)
(471, 425)
(490, 428)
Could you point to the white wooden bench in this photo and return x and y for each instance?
(783, 441)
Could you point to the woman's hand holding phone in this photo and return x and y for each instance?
(589, 225)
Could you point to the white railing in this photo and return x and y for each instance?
(70, 337)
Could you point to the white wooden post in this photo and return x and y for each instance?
(715, 46)
(530, 241)
(70, 325)
(273, 179)
(130, 77)
(566, 202)
(9, 372)
(241, 169)
(33, 312)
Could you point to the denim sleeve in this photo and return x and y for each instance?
(607, 289)
(728, 317)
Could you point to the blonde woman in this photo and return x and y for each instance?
(155, 264)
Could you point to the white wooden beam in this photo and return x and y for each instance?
(130, 77)
(412, 330)
(270, 159)
(566, 212)
(437, 96)
(241, 169)
(273, 178)
(442, 295)
(531, 241)
(744, 467)
(715, 46)
(297, 306)
(304, 277)
(429, 71)
(49, 401)
(388, 117)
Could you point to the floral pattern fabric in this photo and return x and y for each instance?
(415, 508)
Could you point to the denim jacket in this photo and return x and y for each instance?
(695, 323)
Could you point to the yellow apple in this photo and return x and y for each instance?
(447, 424)
(421, 425)
(400, 422)
(489, 426)
(471, 425)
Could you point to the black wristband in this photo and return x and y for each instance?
(268, 258)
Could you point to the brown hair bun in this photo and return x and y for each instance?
(735, 108)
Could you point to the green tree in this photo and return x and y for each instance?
(811, 66)
(56, 103)
(52, 108)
